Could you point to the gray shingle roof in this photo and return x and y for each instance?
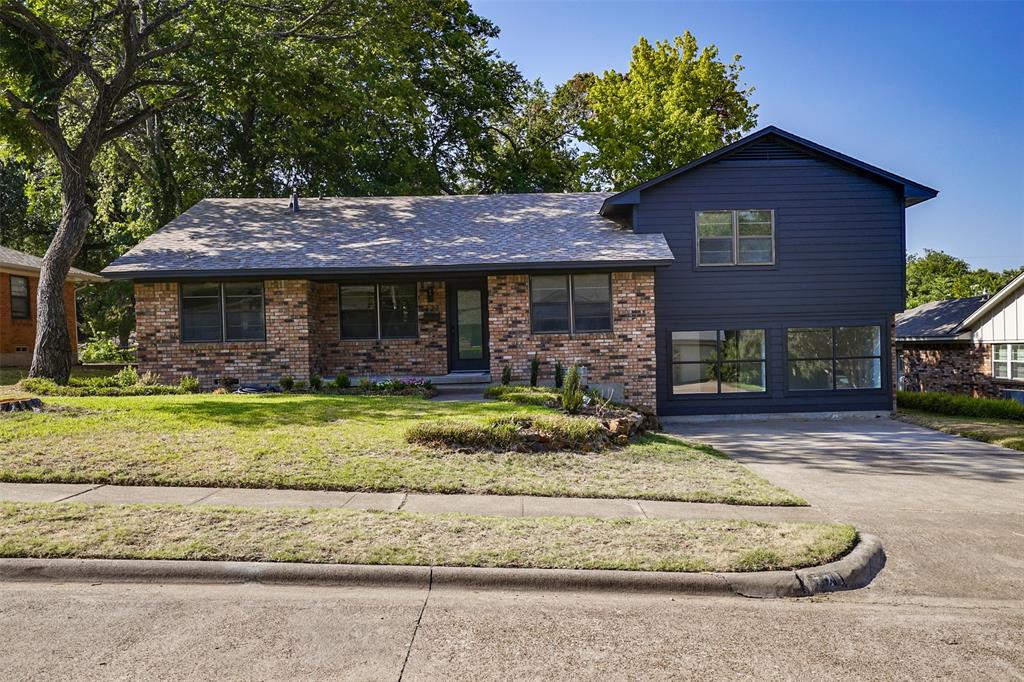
(16, 260)
(380, 234)
(936, 320)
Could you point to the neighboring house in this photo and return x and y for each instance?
(19, 280)
(973, 346)
(763, 277)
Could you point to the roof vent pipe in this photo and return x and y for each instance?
(293, 204)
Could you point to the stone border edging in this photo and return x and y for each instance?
(854, 570)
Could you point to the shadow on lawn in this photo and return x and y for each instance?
(269, 411)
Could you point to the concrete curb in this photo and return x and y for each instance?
(852, 571)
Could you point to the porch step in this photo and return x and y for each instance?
(461, 379)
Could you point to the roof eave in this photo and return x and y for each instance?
(993, 302)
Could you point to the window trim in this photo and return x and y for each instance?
(720, 395)
(882, 372)
(223, 314)
(570, 276)
(1008, 363)
(735, 239)
(376, 298)
(27, 297)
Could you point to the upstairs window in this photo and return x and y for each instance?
(720, 361)
(741, 237)
(834, 358)
(378, 311)
(1008, 361)
(570, 304)
(229, 311)
(19, 298)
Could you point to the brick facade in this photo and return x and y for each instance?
(21, 334)
(426, 355)
(286, 350)
(950, 368)
(625, 356)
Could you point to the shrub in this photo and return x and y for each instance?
(41, 386)
(572, 391)
(189, 384)
(128, 376)
(300, 386)
(341, 381)
(149, 379)
(559, 374)
(104, 349)
(961, 405)
(287, 383)
(364, 384)
(506, 375)
(316, 384)
(534, 370)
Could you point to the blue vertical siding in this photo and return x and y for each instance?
(839, 245)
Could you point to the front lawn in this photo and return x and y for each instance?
(1009, 434)
(12, 375)
(360, 537)
(341, 443)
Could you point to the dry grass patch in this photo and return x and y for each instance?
(1009, 434)
(361, 537)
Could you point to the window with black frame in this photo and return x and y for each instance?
(378, 311)
(20, 308)
(834, 358)
(718, 361)
(570, 303)
(229, 311)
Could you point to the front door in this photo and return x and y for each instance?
(467, 326)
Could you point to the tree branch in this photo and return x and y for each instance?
(118, 129)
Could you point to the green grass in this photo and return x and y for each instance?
(961, 405)
(1004, 432)
(12, 375)
(361, 537)
(341, 443)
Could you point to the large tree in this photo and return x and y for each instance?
(937, 276)
(676, 103)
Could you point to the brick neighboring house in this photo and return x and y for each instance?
(763, 277)
(19, 282)
(972, 346)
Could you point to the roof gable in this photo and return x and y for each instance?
(771, 144)
(992, 305)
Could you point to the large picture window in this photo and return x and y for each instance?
(19, 298)
(834, 358)
(228, 311)
(1008, 361)
(719, 361)
(378, 311)
(570, 303)
(741, 237)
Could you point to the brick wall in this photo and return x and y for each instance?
(624, 356)
(423, 356)
(286, 350)
(16, 334)
(949, 368)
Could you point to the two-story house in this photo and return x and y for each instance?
(763, 277)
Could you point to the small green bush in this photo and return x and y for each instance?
(189, 384)
(524, 395)
(534, 370)
(572, 391)
(128, 376)
(287, 383)
(961, 405)
(341, 381)
(316, 384)
(300, 386)
(559, 374)
(506, 375)
(104, 349)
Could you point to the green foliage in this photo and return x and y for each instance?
(937, 276)
(128, 376)
(506, 375)
(674, 104)
(572, 391)
(94, 387)
(524, 395)
(534, 370)
(341, 381)
(316, 384)
(961, 406)
(104, 349)
(507, 433)
(559, 374)
(189, 384)
(300, 386)
(286, 383)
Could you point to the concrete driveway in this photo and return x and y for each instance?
(950, 511)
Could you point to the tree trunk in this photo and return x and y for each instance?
(52, 357)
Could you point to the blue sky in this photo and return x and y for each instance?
(930, 91)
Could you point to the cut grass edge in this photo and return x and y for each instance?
(334, 536)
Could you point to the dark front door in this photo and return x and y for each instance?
(467, 326)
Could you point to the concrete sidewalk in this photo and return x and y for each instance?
(490, 505)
